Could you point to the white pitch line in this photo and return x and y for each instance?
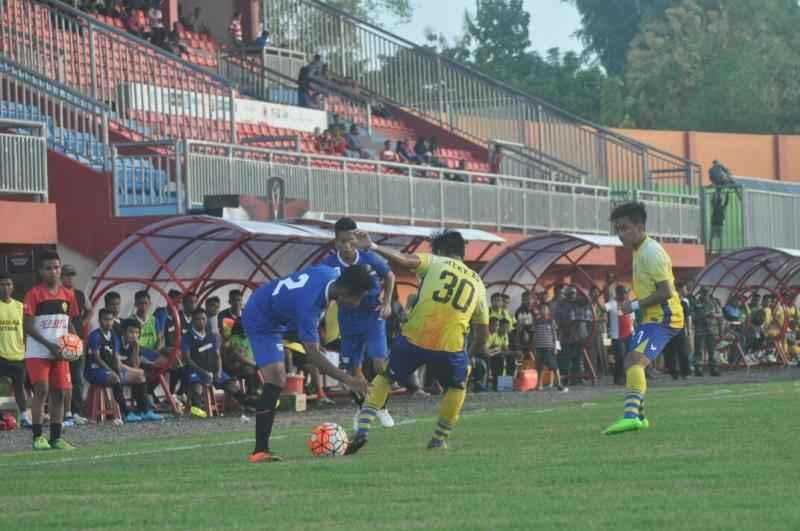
(129, 454)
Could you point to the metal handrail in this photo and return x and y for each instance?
(22, 169)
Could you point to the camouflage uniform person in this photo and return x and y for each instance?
(705, 339)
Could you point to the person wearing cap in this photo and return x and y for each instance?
(73, 401)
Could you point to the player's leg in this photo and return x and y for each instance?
(404, 359)
(683, 354)
(39, 374)
(711, 347)
(378, 352)
(15, 371)
(646, 345)
(269, 357)
(553, 365)
(60, 382)
(454, 370)
(352, 348)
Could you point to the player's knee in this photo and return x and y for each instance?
(634, 358)
(41, 389)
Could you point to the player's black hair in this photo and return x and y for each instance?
(47, 256)
(5, 276)
(213, 299)
(141, 294)
(495, 295)
(449, 243)
(174, 294)
(131, 323)
(633, 210)
(234, 293)
(199, 311)
(355, 279)
(506, 321)
(110, 296)
(344, 225)
(105, 314)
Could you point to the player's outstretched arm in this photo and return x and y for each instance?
(359, 385)
(396, 258)
(480, 337)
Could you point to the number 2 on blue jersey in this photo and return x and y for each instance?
(291, 284)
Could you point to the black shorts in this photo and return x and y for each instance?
(546, 359)
(12, 369)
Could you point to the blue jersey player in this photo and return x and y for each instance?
(363, 327)
(295, 304)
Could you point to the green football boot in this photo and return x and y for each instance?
(623, 425)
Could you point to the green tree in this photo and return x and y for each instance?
(720, 66)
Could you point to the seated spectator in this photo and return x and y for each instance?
(339, 143)
(387, 155)
(405, 154)
(496, 160)
(173, 42)
(151, 337)
(132, 362)
(793, 340)
(134, 25)
(116, 9)
(237, 356)
(158, 32)
(194, 23)
(544, 342)
(354, 148)
(423, 150)
(235, 31)
(503, 361)
(103, 367)
(462, 166)
(200, 350)
(325, 142)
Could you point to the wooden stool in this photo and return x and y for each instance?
(100, 405)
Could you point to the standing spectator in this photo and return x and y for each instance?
(158, 32)
(568, 323)
(705, 343)
(49, 309)
(496, 160)
(676, 354)
(113, 303)
(718, 209)
(620, 327)
(235, 30)
(212, 312)
(74, 396)
(598, 344)
(12, 346)
(524, 318)
(304, 78)
(544, 341)
(387, 155)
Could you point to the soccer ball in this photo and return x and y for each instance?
(328, 440)
(71, 347)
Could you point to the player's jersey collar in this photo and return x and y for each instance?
(345, 264)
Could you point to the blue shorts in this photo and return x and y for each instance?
(267, 348)
(372, 343)
(98, 376)
(191, 376)
(650, 339)
(149, 355)
(451, 369)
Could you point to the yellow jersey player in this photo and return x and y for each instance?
(451, 299)
(659, 303)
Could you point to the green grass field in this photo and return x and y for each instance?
(718, 457)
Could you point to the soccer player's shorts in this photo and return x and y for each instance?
(372, 342)
(546, 358)
(650, 339)
(149, 355)
(54, 372)
(99, 376)
(191, 376)
(451, 369)
(267, 348)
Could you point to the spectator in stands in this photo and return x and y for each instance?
(116, 9)
(212, 311)
(195, 22)
(262, 41)
(339, 143)
(496, 160)
(620, 328)
(134, 25)
(544, 341)
(235, 31)
(158, 32)
(405, 154)
(354, 147)
(304, 78)
(719, 175)
(74, 397)
(458, 177)
(12, 346)
(423, 150)
(173, 42)
(113, 303)
(387, 155)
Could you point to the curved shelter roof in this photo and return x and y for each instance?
(522, 265)
(202, 254)
(752, 268)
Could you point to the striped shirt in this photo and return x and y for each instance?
(544, 334)
(236, 30)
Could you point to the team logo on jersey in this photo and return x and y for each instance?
(65, 306)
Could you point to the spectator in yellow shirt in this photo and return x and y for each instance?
(12, 345)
